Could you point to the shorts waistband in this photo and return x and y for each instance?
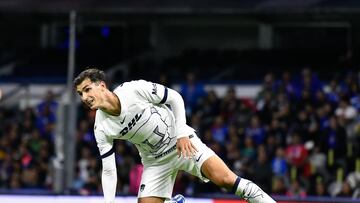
(166, 152)
(170, 150)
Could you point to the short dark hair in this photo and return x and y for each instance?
(94, 74)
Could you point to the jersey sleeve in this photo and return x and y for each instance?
(109, 174)
(153, 92)
(104, 144)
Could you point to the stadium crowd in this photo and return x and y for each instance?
(299, 137)
(27, 145)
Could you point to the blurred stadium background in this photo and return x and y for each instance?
(271, 85)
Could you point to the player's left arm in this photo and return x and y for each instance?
(159, 94)
(109, 174)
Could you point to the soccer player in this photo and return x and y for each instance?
(152, 117)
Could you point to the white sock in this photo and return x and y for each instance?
(252, 192)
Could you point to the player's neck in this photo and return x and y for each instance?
(112, 104)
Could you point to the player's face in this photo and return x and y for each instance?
(91, 93)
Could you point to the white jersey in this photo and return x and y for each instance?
(147, 119)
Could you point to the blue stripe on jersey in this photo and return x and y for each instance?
(110, 152)
(165, 96)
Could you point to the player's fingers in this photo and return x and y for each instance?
(191, 150)
(186, 153)
(179, 152)
(194, 148)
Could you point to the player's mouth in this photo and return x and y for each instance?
(90, 102)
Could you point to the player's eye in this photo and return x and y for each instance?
(87, 89)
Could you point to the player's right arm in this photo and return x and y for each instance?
(109, 174)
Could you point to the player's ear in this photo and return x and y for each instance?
(103, 84)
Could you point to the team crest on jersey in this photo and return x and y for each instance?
(142, 187)
(154, 89)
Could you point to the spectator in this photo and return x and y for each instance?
(346, 190)
(229, 105)
(261, 169)
(286, 86)
(219, 130)
(256, 131)
(209, 107)
(192, 91)
(321, 189)
(265, 107)
(248, 152)
(334, 138)
(48, 104)
(309, 83)
(345, 111)
(353, 178)
(297, 155)
(46, 115)
(277, 130)
(279, 164)
(268, 86)
(232, 154)
(333, 92)
(296, 190)
(318, 162)
(279, 186)
(243, 115)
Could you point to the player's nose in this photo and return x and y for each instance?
(84, 96)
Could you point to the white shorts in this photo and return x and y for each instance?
(159, 176)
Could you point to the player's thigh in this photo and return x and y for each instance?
(218, 172)
(158, 181)
(193, 165)
(151, 200)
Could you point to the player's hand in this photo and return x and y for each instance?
(185, 147)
